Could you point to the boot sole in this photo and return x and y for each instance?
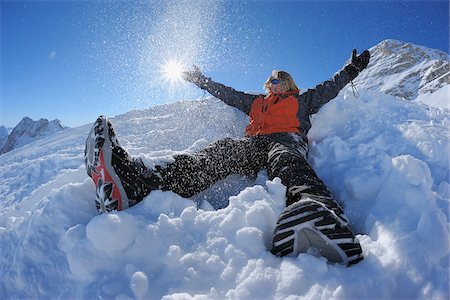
(110, 194)
(310, 224)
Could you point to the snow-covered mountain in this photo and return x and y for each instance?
(384, 159)
(3, 135)
(28, 131)
(406, 71)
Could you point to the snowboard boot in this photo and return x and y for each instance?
(310, 224)
(116, 175)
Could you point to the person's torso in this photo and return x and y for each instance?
(275, 113)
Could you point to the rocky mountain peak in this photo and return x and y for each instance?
(3, 135)
(405, 70)
(28, 131)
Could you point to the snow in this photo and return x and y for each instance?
(3, 135)
(385, 159)
(440, 98)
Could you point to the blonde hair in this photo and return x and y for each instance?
(283, 76)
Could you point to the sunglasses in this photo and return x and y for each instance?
(275, 81)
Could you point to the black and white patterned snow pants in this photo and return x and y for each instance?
(283, 155)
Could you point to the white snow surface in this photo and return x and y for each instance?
(440, 98)
(385, 159)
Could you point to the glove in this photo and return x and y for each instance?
(358, 63)
(361, 61)
(195, 76)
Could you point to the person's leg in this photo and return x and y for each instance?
(298, 176)
(122, 181)
(190, 174)
(117, 176)
(312, 218)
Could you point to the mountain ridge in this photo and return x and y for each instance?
(3, 135)
(405, 70)
(28, 131)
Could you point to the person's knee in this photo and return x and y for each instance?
(221, 145)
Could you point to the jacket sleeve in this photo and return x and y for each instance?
(328, 90)
(230, 96)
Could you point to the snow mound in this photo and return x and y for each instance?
(439, 98)
(384, 159)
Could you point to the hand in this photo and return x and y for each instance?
(361, 61)
(195, 75)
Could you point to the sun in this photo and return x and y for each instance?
(172, 71)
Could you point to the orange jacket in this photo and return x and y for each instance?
(274, 113)
(267, 115)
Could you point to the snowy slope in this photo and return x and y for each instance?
(384, 158)
(28, 131)
(409, 72)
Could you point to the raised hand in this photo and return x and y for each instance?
(360, 61)
(195, 75)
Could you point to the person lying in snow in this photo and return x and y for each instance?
(275, 139)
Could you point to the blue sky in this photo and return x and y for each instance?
(74, 60)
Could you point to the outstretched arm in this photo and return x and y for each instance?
(328, 90)
(230, 96)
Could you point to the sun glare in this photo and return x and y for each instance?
(172, 71)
